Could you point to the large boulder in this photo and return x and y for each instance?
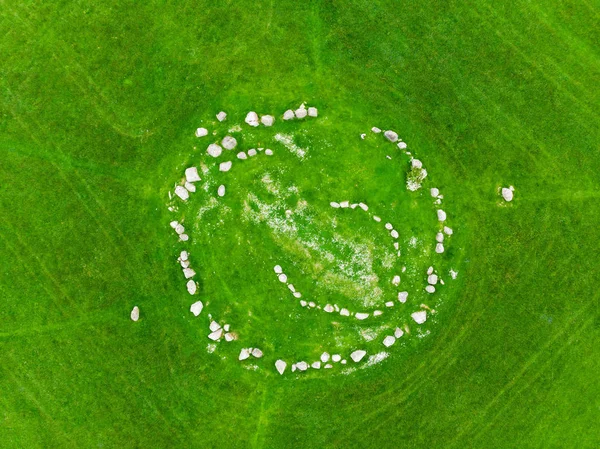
(229, 142)
(214, 150)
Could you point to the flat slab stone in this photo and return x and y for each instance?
(269, 152)
(336, 358)
(345, 312)
(191, 174)
(358, 355)
(394, 234)
(182, 193)
(214, 150)
(325, 357)
(196, 308)
(315, 365)
(183, 255)
(280, 366)
(434, 192)
(430, 289)
(439, 237)
(229, 142)
(375, 130)
(282, 278)
(448, 231)
(277, 269)
(396, 280)
(216, 335)
(420, 317)
(363, 206)
(439, 248)
(398, 332)
(251, 152)
(214, 326)
(328, 308)
(252, 118)
(334, 205)
(225, 166)
(190, 187)
(389, 341)
(300, 112)
(432, 279)
(402, 145)
(135, 313)
(302, 366)
(257, 353)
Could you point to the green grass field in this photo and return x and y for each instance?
(99, 104)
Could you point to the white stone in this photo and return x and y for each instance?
(447, 230)
(188, 273)
(252, 118)
(316, 365)
(389, 304)
(416, 163)
(430, 289)
(184, 237)
(312, 112)
(358, 355)
(375, 130)
(292, 288)
(191, 174)
(396, 280)
(185, 263)
(221, 190)
(213, 326)
(225, 166)
(196, 308)
(507, 194)
(280, 365)
(377, 313)
(282, 278)
(434, 192)
(398, 332)
(251, 152)
(441, 215)
(345, 312)
(267, 120)
(191, 287)
(389, 226)
(302, 366)
(363, 206)
(300, 113)
(439, 237)
(376, 218)
(174, 224)
(432, 279)
(269, 152)
(201, 132)
(325, 357)
(257, 353)
(135, 313)
(226, 327)
(391, 136)
(244, 354)
(328, 308)
(190, 187)
(439, 248)
(277, 269)
(288, 115)
(420, 317)
(329, 365)
(221, 116)
(361, 316)
(241, 155)
(214, 336)
(183, 255)
(389, 341)
(297, 295)
(453, 274)
(179, 229)
(362, 136)
(303, 303)
(402, 297)
(402, 145)
(182, 193)
(345, 204)
(229, 336)
(394, 234)
(334, 205)
(336, 358)
(229, 142)
(311, 304)
(429, 270)
(214, 150)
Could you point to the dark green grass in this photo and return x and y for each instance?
(98, 102)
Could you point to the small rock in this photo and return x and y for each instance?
(174, 224)
(229, 142)
(196, 308)
(316, 365)
(402, 145)
(282, 278)
(135, 313)
(221, 190)
(221, 116)
(363, 206)
(345, 204)
(225, 166)
(420, 317)
(214, 150)
(362, 136)
(396, 280)
(183, 255)
(377, 313)
(214, 336)
(389, 226)
(430, 289)
(191, 174)
(184, 237)
(334, 205)
(179, 229)
(376, 218)
(447, 230)
(328, 308)
(391, 136)
(241, 155)
(257, 353)
(361, 316)
(389, 304)
(439, 248)
(277, 269)
(441, 215)
(336, 358)
(251, 152)
(182, 193)
(429, 270)
(398, 332)
(375, 130)
(191, 287)
(402, 297)
(416, 163)
(434, 192)
(325, 357)
(267, 120)
(432, 279)
(312, 112)
(280, 365)
(297, 295)
(288, 115)
(244, 354)
(329, 365)
(302, 366)
(188, 273)
(214, 326)
(269, 152)
(252, 118)
(303, 303)
(190, 187)
(229, 336)
(292, 288)
(300, 112)
(358, 355)
(439, 237)
(394, 234)
(389, 341)
(345, 312)
(507, 194)
(201, 132)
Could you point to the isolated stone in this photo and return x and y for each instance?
(312, 112)
(389, 304)
(182, 193)
(420, 317)
(429, 270)
(392, 136)
(358, 355)
(135, 313)
(297, 295)
(196, 308)
(221, 116)
(362, 136)
(288, 115)
(229, 142)
(173, 224)
(191, 287)
(267, 120)
(389, 341)
(221, 190)
(280, 365)
(225, 166)
(191, 174)
(214, 150)
(242, 155)
(292, 288)
(507, 194)
(201, 132)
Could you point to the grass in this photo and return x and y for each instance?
(99, 103)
